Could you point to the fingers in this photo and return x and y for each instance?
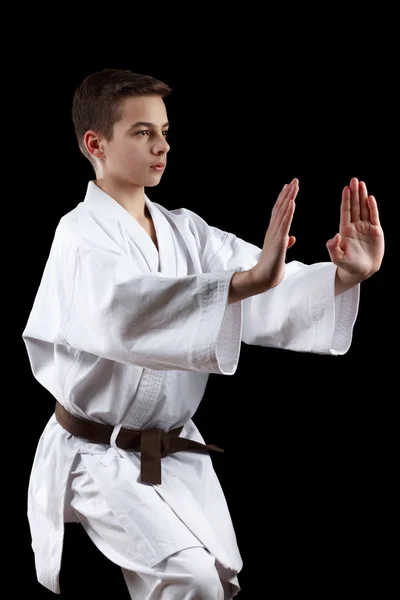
(373, 211)
(286, 191)
(363, 194)
(345, 213)
(286, 211)
(356, 204)
(354, 200)
(287, 215)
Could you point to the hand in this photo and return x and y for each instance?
(358, 248)
(270, 268)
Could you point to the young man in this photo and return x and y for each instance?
(136, 307)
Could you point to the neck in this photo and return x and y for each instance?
(129, 196)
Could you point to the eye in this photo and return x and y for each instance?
(143, 131)
(165, 133)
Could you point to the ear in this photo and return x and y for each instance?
(93, 144)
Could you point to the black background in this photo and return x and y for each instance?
(308, 469)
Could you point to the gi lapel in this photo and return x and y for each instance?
(117, 216)
(166, 247)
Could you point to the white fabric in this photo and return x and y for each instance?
(190, 573)
(127, 335)
(114, 435)
(186, 575)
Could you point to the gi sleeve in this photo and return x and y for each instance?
(301, 313)
(102, 304)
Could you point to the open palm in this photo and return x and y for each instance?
(358, 248)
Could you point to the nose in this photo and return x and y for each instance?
(161, 146)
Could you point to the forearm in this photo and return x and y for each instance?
(243, 285)
(344, 281)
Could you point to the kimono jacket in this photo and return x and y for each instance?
(125, 334)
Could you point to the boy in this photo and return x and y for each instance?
(136, 307)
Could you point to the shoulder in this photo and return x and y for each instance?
(67, 233)
(85, 230)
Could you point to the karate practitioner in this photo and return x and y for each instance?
(137, 305)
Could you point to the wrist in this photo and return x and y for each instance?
(344, 280)
(245, 284)
(256, 282)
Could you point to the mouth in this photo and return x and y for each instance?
(158, 167)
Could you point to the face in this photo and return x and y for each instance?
(137, 152)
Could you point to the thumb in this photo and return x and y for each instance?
(291, 241)
(334, 249)
(334, 242)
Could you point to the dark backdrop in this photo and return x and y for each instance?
(308, 438)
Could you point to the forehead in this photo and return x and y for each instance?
(143, 108)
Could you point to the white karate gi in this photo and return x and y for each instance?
(123, 334)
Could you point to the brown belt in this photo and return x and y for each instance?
(153, 444)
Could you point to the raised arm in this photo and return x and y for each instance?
(357, 250)
(270, 268)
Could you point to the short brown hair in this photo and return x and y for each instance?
(96, 103)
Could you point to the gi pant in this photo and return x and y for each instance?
(190, 574)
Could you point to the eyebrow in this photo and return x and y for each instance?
(146, 124)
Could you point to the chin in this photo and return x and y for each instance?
(152, 183)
